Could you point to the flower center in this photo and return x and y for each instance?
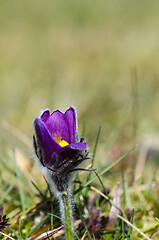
(62, 143)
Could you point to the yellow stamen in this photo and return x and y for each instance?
(62, 143)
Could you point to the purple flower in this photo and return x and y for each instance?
(57, 147)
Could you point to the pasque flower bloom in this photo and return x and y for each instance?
(57, 146)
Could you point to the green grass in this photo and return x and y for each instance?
(136, 195)
(102, 58)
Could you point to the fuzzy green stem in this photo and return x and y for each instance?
(67, 212)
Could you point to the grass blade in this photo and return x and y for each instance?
(95, 146)
(21, 193)
(105, 192)
(106, 169)
(88, 233)
(34, 228)
(65, 223)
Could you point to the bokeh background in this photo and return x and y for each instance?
(99, 56)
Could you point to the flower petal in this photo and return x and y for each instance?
(79, 145)
(45, 115)
(57, 126)
(70, 116)
(45, 143)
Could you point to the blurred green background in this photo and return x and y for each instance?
(99, 56)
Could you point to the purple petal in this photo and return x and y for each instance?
(70, 116)
(78, 145)
(57, 126)
(44, 141)
(45, 115)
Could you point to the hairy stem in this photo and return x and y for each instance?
(66, 211)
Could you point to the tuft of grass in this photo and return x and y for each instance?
(24, 225)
